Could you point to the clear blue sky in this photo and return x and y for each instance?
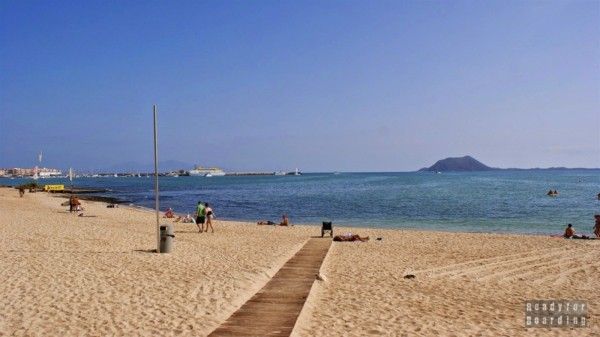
(319, 85)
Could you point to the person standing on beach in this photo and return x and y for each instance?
(284, 220)
(200, 216)
(597, 225)
(209, 215)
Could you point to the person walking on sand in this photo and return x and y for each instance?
(200, 216)
(209, 215)
(597, 226)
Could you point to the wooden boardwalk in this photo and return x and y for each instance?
(273, 311)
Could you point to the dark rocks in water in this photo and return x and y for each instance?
(81, 190)
(461, 164)
(109, 200)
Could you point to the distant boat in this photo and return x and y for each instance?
(208, 175)
(115, 175)
(336, 173)
(295, 173)
(205, 171)
(280, 173)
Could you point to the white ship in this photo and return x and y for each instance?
(207, 171)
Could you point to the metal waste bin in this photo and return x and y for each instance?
(167, 235)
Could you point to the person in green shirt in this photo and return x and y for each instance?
(200, 216)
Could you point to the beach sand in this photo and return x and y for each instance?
(64, 275)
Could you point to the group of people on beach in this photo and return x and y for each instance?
(570, 231)
(203, 219)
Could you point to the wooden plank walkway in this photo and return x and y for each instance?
(273, 311)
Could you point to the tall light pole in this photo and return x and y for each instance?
(156, 205)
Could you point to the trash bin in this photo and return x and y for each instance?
(167, 235)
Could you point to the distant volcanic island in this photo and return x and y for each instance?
(470, 164)
(458, 164)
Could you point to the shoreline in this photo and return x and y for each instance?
(503, 206)
(127, 203)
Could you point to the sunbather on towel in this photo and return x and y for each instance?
(570, 234)
(350, 237)
(169, 213)
(188, 219)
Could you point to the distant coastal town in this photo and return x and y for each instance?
(44, 172)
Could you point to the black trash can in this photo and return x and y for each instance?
(167, 235)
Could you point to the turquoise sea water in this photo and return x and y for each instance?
(498, 201)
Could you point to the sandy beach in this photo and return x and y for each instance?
(64, 275)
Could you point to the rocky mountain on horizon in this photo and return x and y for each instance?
(460, 164)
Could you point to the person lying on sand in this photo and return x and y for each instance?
(350, 237)
(186, 219)
(169, 213)
(285, 221)
(266, 223)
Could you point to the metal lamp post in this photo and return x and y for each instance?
(156, 204)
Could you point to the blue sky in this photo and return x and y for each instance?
(319, 85)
